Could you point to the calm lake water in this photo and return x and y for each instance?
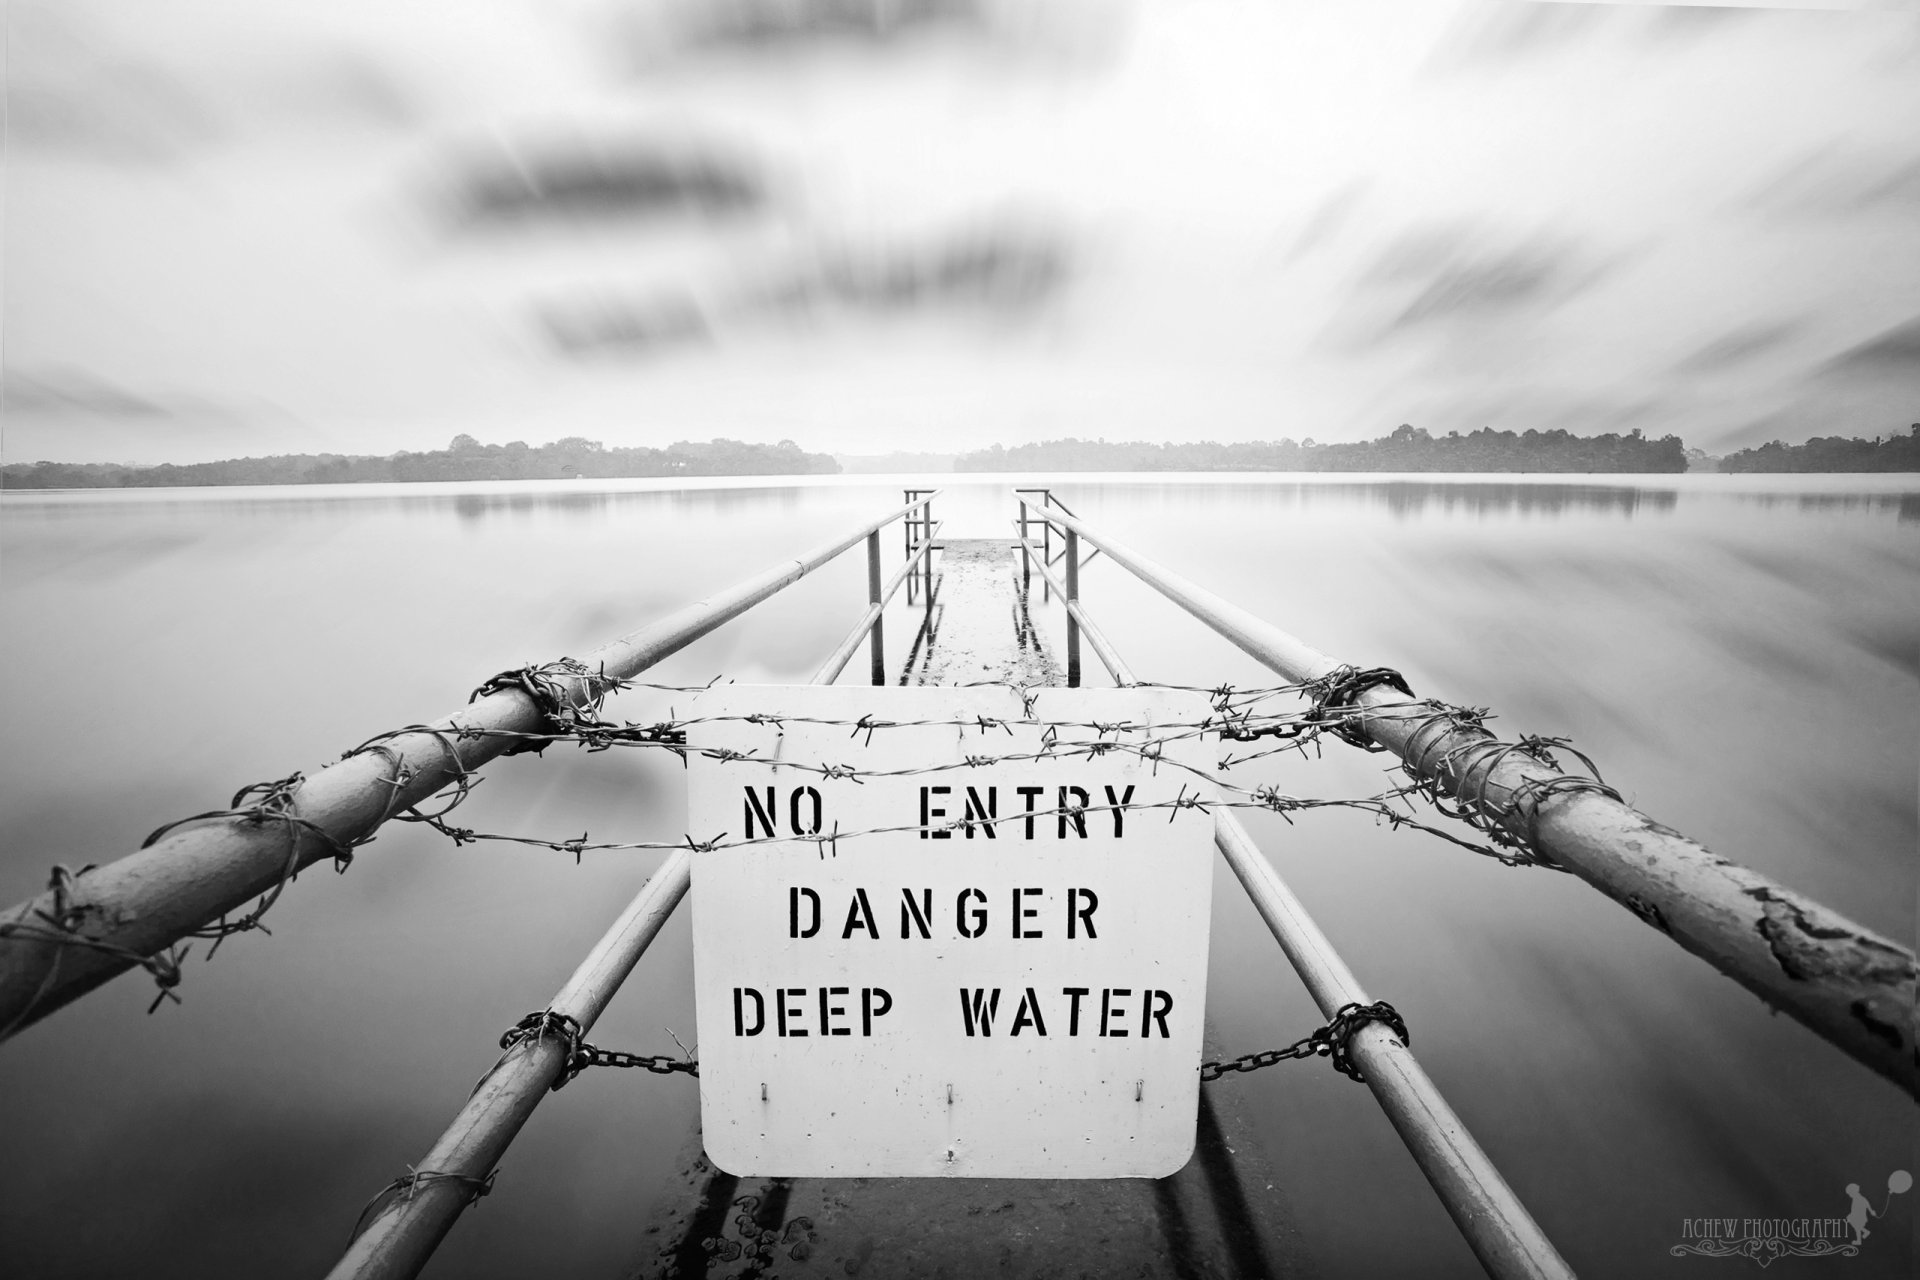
(1741, 656)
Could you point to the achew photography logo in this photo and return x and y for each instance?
(1766, 1240)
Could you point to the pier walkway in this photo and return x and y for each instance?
(1217, 1218)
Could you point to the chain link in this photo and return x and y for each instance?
(579, 1054)
(1329, 1041)
(658, 1063)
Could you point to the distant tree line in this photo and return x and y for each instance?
(1831, 453)
(464, 459)
(1408, 448)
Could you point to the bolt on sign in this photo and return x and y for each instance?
(1003, 974)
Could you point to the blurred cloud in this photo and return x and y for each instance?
(1679, 24)
(1737, 347)
(72, 391)
(647, 35)
(1453, 273)
(1501, 33)
(766, 25)
(71, 88)
(997, 271)
(574, 181)
(1000, 269)
(79, 85)
(403, 222)
(1893, 354)
(1869, 389)
(602, 324)
(76, 415)
(342, 86)
(1838, 181)
(1332, 215)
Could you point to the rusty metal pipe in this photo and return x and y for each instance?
(1848, 984)
(144, 902)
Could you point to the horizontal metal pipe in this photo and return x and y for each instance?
(1096, 639)
(143, 903)
(1497, 1227)
(1845, 982)
(404, 1232)
(843, 652)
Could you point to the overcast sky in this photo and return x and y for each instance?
(243, 228)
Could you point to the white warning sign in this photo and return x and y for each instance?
(969, 937)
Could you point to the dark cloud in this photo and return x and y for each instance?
(1000, 269)
(645, 36)
(772, 25)
(626, 181)
(1893, 354)
(996, 271)
(630, 326)
(1451, 273)
(1737, 347)
(1868, 390)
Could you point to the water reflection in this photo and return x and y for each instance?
(1417, 499)
(603, 503)
(1906, 505)
(334, 502)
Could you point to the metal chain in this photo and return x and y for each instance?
(1329, 1041)
(658, 1063)
(579, 1054)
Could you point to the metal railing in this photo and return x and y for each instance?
(407, 1227)
(1849, 985)
(92, 926)
(1496, 1225)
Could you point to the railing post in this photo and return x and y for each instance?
(1073, 597)
(877, 645)
(1046, 526)
(1026, 561)
(926, 563)
(906, 538)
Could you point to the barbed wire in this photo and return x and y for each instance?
(570, 696)
(409, 1183)
(1332, 710)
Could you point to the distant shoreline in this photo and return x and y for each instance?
(1406, 451)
